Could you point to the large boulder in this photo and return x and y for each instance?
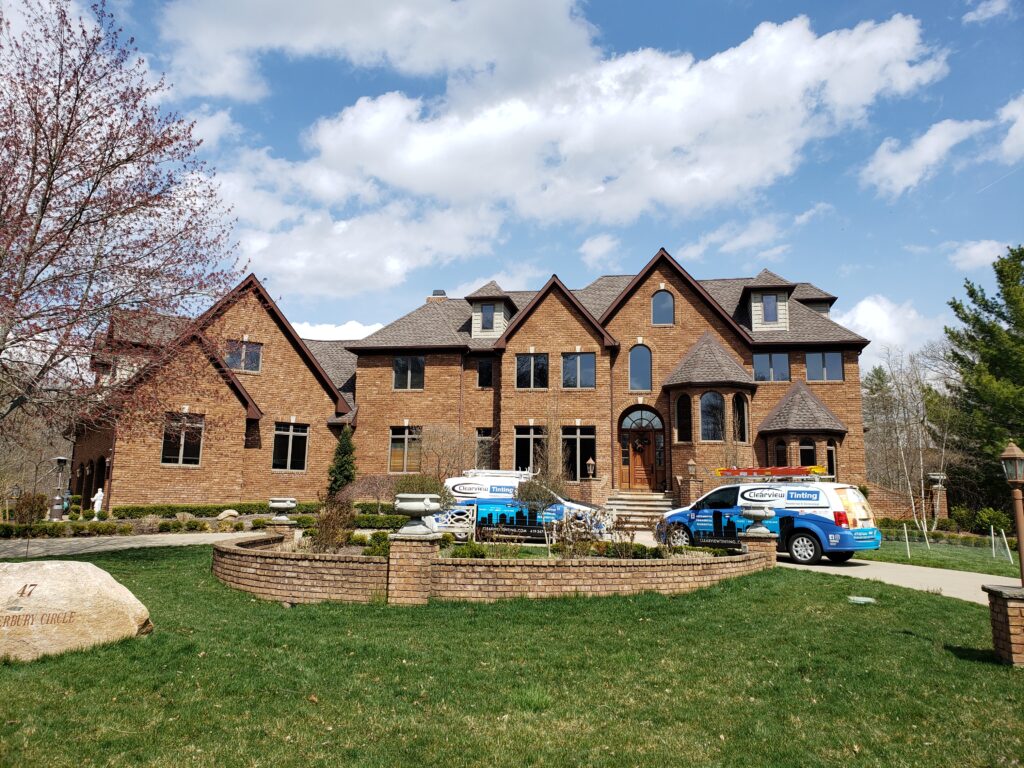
(56, 606)
(227, 514)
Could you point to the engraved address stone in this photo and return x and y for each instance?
(56, 606)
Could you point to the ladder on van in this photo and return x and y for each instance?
(812, 473)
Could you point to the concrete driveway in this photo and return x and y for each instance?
(84, 545)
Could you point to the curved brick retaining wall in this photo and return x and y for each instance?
(299, 577)
(414, 573)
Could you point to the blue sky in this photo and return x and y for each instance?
(376, 151)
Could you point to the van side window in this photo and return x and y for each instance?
(723, 498)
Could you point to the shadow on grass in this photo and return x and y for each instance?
(976, 655)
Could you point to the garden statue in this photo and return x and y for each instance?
(97, 503)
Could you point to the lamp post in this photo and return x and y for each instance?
(57, 508)
(1013, 467)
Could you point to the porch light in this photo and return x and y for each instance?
(591, 466)
(1013, 464)
(691, 467)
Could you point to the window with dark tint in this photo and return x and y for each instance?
(770, 302)
(485, 372)
(409, 372)
(579, 445)
(739, 418)
(244, 356)
(723, 498)
(531, 449)
(487, 317)
(405, 455)
(824, 366)
(579, 370)
(640, 368)
(771, 366)
(830, 459)
(663, 308)
(781, 454)
(484, 448)
(290, 445)
(712, 416)
(684, 419)
(807, 457)
(532, 371)
(183, 439)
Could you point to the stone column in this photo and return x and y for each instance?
(286, 529)
(409, 567)
(938, 500)
(1006, 610)
(764, 543)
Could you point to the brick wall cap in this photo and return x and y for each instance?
(766, 536)
(1004, 591)
(257, 548)
(427, 537)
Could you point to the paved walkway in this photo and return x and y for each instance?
(84, 545)
(962, 585)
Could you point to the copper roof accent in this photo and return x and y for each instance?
(800, 411)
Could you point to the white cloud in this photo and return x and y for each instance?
(973, 254)
(598, 252)
(889, 325)
(1011, 149)
(986, 10)
(818, 209)
(348, 331)
(213, 126)
(773, 254)
(525, 277)
(893, 171)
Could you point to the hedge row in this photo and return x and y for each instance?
(381, 522)
(207, 510)
(960, 539)
(61, 530)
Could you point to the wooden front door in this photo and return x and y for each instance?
(638, 454)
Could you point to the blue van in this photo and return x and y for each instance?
(811, 519)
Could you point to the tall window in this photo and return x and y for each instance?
(579, 370)
(405, 453)
(770, 303)
(486, 317)
(290, 445)
(531, 448)
(771, 366)
(244, 356)
(640, 368)
(484, 448)
(485, 372)
(781, 454)
(183, 439)
(409, 371)
(579, 445)
(807, 457)
(712, 416)
(739, 418)
(684, 419)
(830, 459)
(663, 308)
(532, 371)
(824, 366)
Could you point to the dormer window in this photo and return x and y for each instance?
(244, 356)
(770, 303)
(769, 311)
(486, 317)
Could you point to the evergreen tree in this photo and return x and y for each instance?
(343, 466)
(988, 353)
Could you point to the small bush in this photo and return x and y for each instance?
(447, 540)
(74, 516)
(380, 545)
(76, 499)
(75, 509)
(471, 549)
(333, 524)
(170, 526)
(124, 529)
(102, 515)
(30, 508)
(370, 508)
(194, 525)
(259, 523)
(305, 521)
(381, 522)
(358, 540)
(238, 525)
(148, 524)
(989, 518)
(965, 518)
(946, 524)
(168, 511)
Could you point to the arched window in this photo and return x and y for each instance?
(739, 418)
(807, 457)
(642, 418)
(640, 368)
(830, 459)
(684, 419)
(712, 416)
(663, 308)
(781, 454)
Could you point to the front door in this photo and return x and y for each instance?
(641, 465)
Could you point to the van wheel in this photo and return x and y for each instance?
(678, 536)
(839, 557)
(804, 549)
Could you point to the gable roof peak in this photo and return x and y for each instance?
(768, 279)
(490, 290)
(551, 285)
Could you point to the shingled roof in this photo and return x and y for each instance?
(800, 411)
(339, 364)
(489, 290)
(768, 279)
(708, 363)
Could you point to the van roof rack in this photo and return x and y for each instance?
(813, 473)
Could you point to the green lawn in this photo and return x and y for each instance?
(942, 555)
(775, 669)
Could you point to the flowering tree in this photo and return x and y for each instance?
(104, 210)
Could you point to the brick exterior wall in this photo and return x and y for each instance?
(299, 577)
(1006, 610)
(229, 471)
(886, 502)
(413, 574)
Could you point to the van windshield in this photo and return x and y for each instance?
(856, 506)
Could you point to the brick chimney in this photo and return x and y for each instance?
(437, 296)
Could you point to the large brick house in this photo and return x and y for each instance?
(641, 383)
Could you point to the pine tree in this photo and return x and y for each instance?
(343, 466)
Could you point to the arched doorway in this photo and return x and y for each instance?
(642, 448)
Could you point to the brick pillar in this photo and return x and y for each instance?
(764, 543)
(409, 565)
(285, 529)
(939, 506)
(1006, 610)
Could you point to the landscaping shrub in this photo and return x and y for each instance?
(993, 518)
(358, 539)
(471, 549)
(387, 522)
(343, 466)
(946, 524)
(194, 525)
(102, 515)
(76, 500)
(260, 523)
(30, 507)
(74, 516)
(380, 546)
(170, 526)
(148, 524)
(305, 521)
(207, 510)
(75, 509)
(447, 540)
(370, 508)
(238, 525)
(334, 524)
